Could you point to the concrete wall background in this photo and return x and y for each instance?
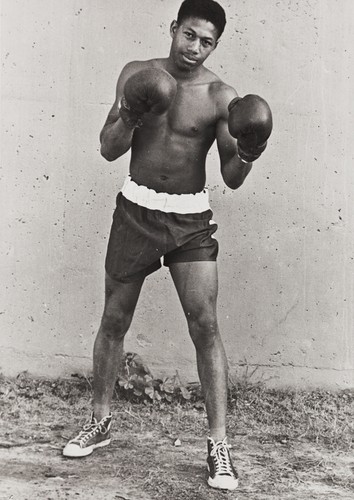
(286, 237)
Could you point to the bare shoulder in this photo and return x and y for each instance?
(130, 69)
(222, 94)
(134, 66)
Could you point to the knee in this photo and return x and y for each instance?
(115, 325)
(203, 329)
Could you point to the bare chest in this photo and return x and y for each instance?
(193, 112)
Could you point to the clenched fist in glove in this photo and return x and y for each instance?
(250, 122)
(149, 90)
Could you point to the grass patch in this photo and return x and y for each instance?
(279, 416)
(283, 415)
(286, 443)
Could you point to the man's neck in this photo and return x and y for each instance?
(183, 75)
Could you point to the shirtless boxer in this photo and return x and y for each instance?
(169, 112)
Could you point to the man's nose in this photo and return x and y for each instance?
(194, 46)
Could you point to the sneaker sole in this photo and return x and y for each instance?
(84, 452)
(218, 487)
(212, 484)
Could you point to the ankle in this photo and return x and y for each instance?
(217, 434)
(100, 412)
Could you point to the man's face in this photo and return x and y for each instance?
(192, 42)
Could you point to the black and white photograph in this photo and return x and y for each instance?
(177, 250)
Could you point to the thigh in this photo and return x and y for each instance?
(197, 286)
(121, 298)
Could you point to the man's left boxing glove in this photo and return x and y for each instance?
(251, 123)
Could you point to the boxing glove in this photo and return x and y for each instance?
(250, 122)
(149, 90)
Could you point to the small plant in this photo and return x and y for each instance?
(137, 382)
(146, 388)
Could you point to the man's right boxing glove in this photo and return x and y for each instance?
(250, 122)
(149, 90)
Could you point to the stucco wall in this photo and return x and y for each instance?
(287, 241)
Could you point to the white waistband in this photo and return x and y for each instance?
(165, 202)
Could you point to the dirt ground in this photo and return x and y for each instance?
(285, 445)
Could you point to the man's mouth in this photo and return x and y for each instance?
(189, 59)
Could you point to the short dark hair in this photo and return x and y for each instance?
(204, 9)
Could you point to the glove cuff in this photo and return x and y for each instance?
(251, 154)
(242, 159)
(247, 157)
(131, 118)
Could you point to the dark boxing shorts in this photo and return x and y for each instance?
(148, 226)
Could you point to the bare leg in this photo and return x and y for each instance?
(120, 303)
(197, 287)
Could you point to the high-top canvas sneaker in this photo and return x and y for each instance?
(93, 435)
(222, 474)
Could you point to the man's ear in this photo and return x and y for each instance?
(173, 28)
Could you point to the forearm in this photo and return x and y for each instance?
(234, 171)
(116, 139)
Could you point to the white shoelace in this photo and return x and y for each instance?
(90, 430)
(221, 458)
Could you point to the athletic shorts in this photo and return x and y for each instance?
(148, 226)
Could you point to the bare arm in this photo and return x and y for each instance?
(116, 137)
(233, 169)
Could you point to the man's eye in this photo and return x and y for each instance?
(188, 35)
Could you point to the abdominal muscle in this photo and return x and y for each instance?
(169, 161)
